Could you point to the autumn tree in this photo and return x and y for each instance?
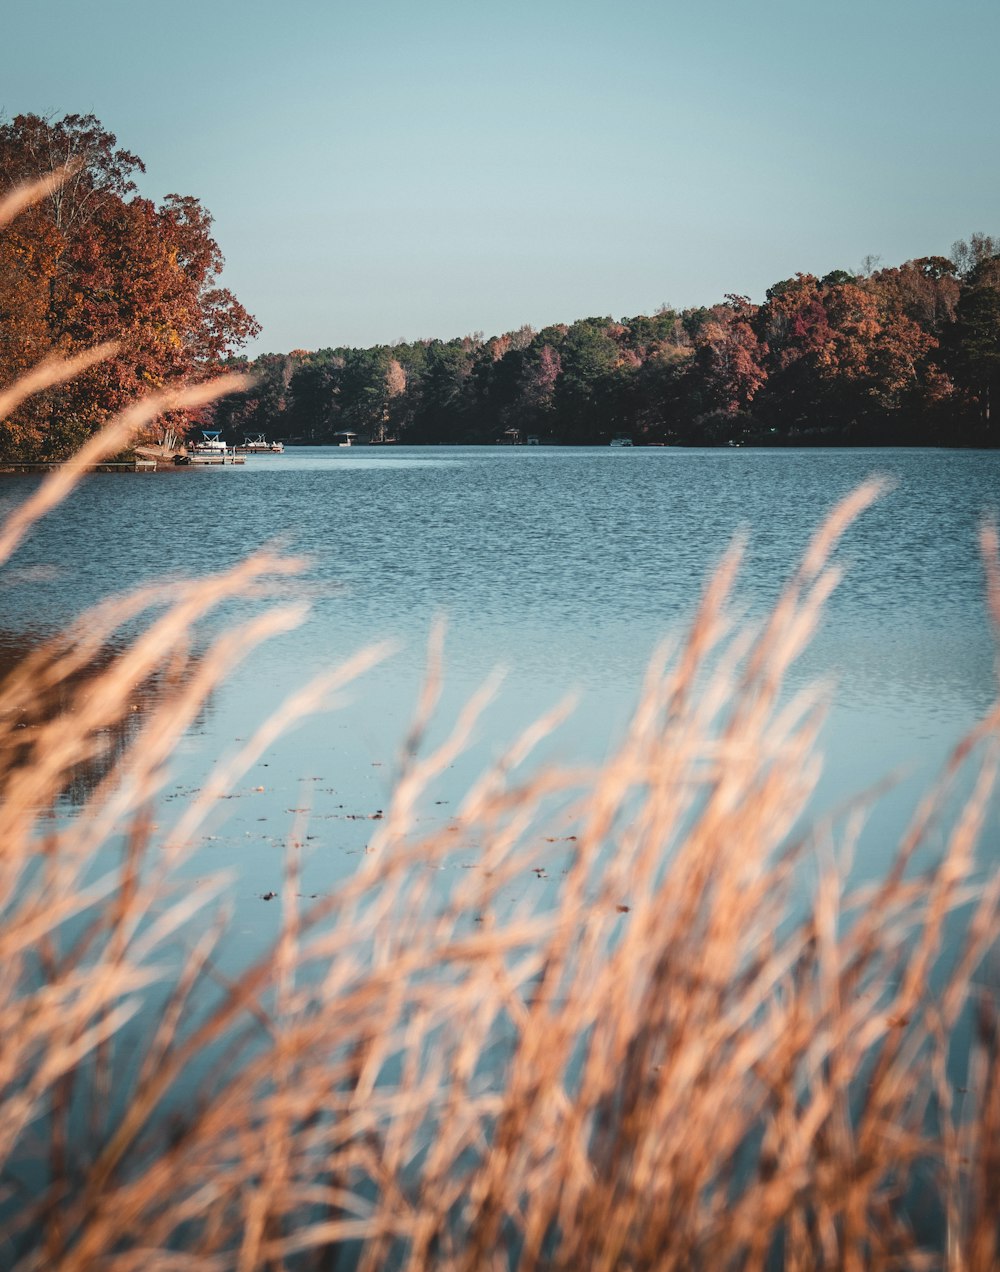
(96, 261)
(29, 257)
(729, 356)
(844, 355)
(395, 390)
(925, 290)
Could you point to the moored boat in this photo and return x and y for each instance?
(211, 443)
(259, 445)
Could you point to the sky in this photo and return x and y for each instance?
(402, 169)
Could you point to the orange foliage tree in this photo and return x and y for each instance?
(94, 262)
(729, 356)
(842, 349)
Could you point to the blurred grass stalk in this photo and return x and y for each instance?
(678, 1060)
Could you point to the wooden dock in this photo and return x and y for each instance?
(51, 466)
(132, 466)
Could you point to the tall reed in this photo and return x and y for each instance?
(669, 1062)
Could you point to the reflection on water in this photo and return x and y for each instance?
(50, 700)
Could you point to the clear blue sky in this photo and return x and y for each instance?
(390, 169)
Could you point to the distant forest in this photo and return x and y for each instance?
(908, 355)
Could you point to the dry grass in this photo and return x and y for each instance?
(672, 1062)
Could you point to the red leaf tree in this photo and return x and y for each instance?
(98, 262)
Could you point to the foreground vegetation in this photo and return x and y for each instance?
(674, 1062)
(688, 1056)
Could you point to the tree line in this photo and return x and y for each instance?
(94, 261)
(908, 355)
(883, 356)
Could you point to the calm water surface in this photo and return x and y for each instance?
(566, 567)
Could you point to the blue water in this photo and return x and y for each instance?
(564, 566)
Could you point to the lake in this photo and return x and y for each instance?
(564, 566)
